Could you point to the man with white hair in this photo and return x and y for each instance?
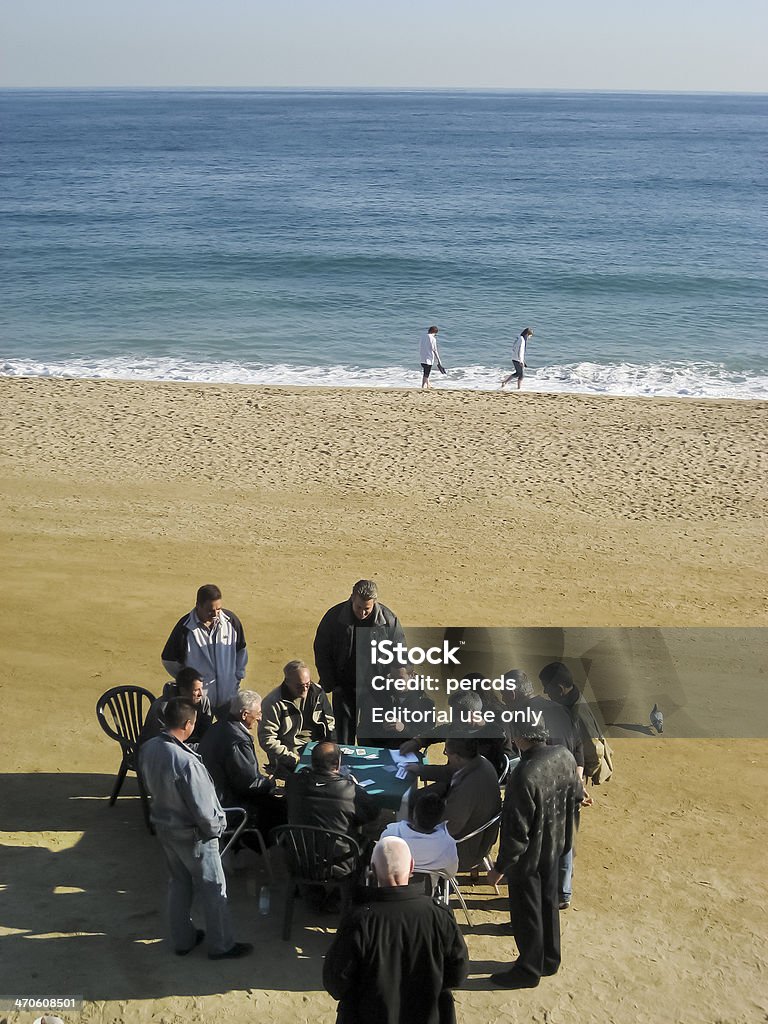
(396, 954)
(229, 754)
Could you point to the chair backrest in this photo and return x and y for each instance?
(312, 853)
(510, 764)
(491, 829)
(121, 712)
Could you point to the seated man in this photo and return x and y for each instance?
(296, 713)
(229, 754)
(472, 798)
(325, 797)
(189, 684)
(432, 847)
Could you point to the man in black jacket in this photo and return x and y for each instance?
(229, 754)
(396, 954)
(323, 797)
(562, 731)
(189, 685)
(336, 649)
(536, 830)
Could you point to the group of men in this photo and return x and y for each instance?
(198, 756)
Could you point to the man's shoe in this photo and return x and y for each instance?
(239, 949)
(199, 936)
(564, 904)
(514, 979)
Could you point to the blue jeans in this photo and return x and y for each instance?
(565, 875)
(195, 867)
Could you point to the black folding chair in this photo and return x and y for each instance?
(121, 712)
(313, 856)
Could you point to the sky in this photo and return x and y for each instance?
(667, 45)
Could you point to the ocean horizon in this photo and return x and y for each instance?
(308, 237)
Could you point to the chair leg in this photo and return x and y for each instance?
(455, 887)
(288, 918)
(265, 854)
(123, 771)
(145, 803)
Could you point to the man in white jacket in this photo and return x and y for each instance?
(518, 357)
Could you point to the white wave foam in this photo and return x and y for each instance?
(672, 380)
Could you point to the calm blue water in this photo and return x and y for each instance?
(309, 237)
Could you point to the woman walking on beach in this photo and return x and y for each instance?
(428, 355)
(518, 357)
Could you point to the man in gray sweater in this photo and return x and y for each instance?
(188, 820)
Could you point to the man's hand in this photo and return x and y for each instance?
(410, 747)
(494, 877)
(413, 767)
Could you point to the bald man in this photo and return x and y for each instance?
(396, 954)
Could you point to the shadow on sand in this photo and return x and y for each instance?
(83, 898)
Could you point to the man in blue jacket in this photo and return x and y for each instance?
(188, 821)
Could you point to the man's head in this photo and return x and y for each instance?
(527, 332)
(556, 679)
(297, 679)
(208, 603)
(523, 690)
(180, 718)
(459, 752)
(527, 735)
(391, 861)
(189, 684)
(428, 811)
(363, 598)
(245, 707)
(432, 330)
(326, 757)
(465, 704)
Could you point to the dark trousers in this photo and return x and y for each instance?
(345, 713)
(533, 906)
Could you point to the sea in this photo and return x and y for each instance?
(309, 237)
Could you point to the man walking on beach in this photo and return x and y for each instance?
(396, 954)
(336, 649)
(429, 355)
(518, 357)
(188, 820)
(537, 826)
(211, 639)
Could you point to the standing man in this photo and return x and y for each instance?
(396, 954)
(429, 355)
(188, 820)
(211, 639)
(296, 713)
(518, 357)
(361, 618)
(537, 826)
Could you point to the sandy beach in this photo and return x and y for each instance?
(120, 499)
